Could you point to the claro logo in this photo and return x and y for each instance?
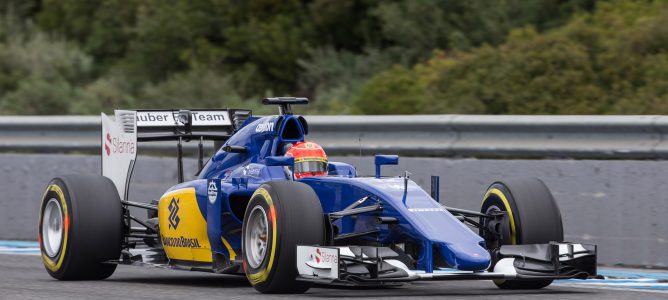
(114, 145)
(262, 127)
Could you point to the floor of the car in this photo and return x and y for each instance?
(156, 258)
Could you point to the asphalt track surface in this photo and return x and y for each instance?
(24, 277)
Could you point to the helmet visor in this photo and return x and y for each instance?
(311, 167)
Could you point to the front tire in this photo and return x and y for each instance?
(279, 216)
(534, 219)
(80, 227)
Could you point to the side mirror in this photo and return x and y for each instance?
(283, 161)
(385, 160)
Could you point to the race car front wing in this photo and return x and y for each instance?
(369, 266)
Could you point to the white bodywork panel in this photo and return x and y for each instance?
(322, 262)
(578, 251)
(505, 266)
(119, 148)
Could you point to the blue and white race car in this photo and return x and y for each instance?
(246, 213)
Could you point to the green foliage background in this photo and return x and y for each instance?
(348, 56)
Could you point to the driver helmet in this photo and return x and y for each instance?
(310, 159)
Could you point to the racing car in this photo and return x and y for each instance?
(247, 213)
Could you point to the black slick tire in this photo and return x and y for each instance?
(294, 216)
(91, 218)
(534, 218)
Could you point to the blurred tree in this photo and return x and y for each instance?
(265, 39)
(346, 25)
(612, 61)
(204, 87)
(363, 56)
(397, 89)
(38, 74)
(407, 32)
(103, 29)
(414, 28)
(37, 96)
(336, 76)
(20, 9)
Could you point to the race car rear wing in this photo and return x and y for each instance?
(120, 136)
(161, 125)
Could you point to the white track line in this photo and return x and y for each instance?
(607, 287)
(19, 251)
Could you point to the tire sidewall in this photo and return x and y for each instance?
(57, 190)
(93, 228)
(294, 217)
(261, 276)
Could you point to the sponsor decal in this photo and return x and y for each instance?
(324, 257)
(174, 219)
(212, 192)
(318, 261)
(266, 126)
(430, 209)
(181, 242)
(155, 117)
(107, 148)
(171, 118)
(208, 117)
(251, 171)
(116, 145)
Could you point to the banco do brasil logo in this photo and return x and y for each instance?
(174, 213)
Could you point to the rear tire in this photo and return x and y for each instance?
(279, 216)
(534, 219)
(80, 227)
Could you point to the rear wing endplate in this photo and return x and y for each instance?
(121, 135)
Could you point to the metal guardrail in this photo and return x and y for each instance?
(633, 137)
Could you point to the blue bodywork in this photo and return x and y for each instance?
(422, 222)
